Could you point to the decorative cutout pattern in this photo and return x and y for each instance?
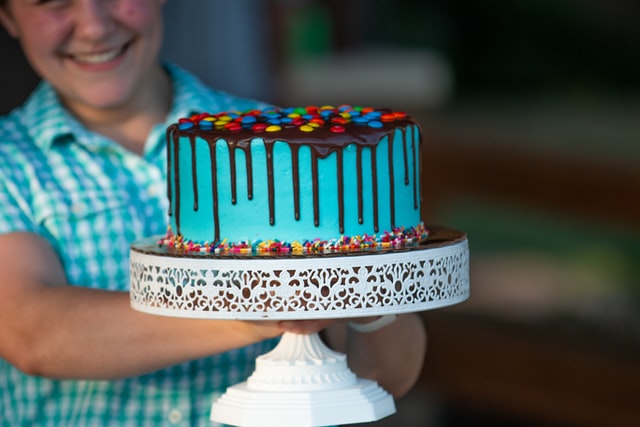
(296, 288)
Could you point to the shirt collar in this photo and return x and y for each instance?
(188, 94)
(44, 117)
(187, 101)
(191, 96)
(47, 121)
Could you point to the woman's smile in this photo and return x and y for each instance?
(100, 57)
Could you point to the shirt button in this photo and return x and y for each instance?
(175, 416)
(77, 208)
(154, 190)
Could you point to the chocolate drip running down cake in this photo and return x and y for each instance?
(294, 179)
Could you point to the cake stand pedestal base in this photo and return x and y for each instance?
(300, 383)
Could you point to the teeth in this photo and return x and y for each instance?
(97, 58)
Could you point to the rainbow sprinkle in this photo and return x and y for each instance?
(397, 238)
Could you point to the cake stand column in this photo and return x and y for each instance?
(302, 382)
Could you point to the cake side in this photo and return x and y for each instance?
(302, 177)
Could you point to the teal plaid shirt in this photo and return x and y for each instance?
(90, 198)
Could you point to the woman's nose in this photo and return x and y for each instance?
(93, 19)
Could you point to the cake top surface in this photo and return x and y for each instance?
(309, 121)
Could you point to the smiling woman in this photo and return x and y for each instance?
(101, 57)
(82, 164)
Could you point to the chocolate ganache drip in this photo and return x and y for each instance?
(324, 131)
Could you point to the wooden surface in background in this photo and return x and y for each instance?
(530, 372)
(485, 167)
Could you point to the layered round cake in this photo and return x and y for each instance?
(306, 179)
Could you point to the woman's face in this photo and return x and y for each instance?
(96, 53)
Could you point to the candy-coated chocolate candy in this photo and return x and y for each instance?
(233, 126)
(198, 117)
(306, 119)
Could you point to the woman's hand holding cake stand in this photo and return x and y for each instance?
(373, 352)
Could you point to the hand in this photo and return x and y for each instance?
(363, 320)
(305, 326)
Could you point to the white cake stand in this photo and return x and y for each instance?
(302, 382)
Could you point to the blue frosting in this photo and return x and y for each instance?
(248, 219)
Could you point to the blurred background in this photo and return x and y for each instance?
(530, 111)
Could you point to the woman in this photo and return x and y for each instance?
(82, 175)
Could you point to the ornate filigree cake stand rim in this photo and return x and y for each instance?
(431, 275)
(302, 382)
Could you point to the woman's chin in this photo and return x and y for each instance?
(102, 98)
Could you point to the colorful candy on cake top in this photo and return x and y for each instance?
(305, 119)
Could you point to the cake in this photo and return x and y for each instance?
(294, 179)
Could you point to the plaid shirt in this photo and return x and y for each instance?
(90, 198)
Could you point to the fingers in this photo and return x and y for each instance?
(263, 329)
(305, 326)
